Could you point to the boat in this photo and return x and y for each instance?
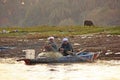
(82, 57)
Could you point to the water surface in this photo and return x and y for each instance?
(100, 70)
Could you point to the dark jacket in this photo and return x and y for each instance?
(54, 46)
(66, 47)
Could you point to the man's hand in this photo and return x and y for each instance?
(70, 52)
(61, 50)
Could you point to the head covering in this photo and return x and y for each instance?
(51, 38)
(65, 39)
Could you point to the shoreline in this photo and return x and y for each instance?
(104, 43)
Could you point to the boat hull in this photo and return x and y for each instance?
(84, 57)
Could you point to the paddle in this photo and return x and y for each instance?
(80, 52)
(73, 53)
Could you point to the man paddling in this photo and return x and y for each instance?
(51, 45)
(66, 47)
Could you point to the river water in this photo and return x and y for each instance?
(99, 70)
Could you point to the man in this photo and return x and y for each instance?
(51, 45)
(51, 50)
(66, 47)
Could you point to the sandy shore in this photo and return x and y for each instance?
(103, 43)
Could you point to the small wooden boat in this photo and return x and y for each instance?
(82, 57)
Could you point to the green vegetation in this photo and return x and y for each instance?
(61, 31)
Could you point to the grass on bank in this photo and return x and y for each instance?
(62, 31)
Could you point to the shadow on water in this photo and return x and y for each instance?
(98, 62)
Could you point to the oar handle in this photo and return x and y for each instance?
(80, 51)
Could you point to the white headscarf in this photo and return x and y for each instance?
(51, 38)
(65, 39)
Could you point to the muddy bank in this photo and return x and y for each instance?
(104, 43)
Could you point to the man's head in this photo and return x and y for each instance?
(51, 39)
(65, 40)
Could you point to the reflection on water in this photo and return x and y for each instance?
(100, 70)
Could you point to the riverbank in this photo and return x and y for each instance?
(99, 42)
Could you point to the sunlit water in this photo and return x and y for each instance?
(100, 70)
